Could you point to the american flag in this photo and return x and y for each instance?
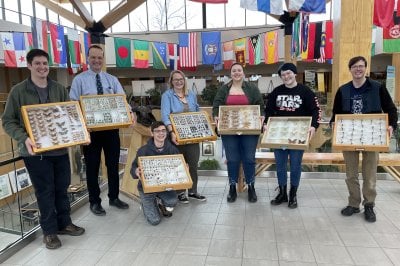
(173, 56)
(187, 50)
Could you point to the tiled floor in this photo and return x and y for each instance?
(240, 233)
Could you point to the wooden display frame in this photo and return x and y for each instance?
(164, 173)
(361, 132)
(239, 119)
(192, 127)
(106, 111)
(55, 125)
(287, 132)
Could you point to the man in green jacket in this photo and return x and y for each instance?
(49, 171)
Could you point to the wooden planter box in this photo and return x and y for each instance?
(287, 132)
(164, 173)
(55, 125)
(239, 119)
(192, 127)
(361, 132)
(104, 112)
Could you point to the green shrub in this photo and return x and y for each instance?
(209, 164)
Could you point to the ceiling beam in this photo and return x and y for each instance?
(120, 11)
(83, 12)
(62, 12)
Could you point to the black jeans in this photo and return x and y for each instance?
(51, 176)
(191, 153)
(107, 140)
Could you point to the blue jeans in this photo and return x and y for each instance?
(240, 149)
(281, 158)
(51, 176)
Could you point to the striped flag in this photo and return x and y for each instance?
(173, 55)
(84, 43)
(229, 57)
(59, 49)
(141, 53)
(271, 47)
(73, 47)
(14, 49)
(309, 6)
(254, 44)
(187, 50)
(266, 6)
(39, 34)
(240, 50)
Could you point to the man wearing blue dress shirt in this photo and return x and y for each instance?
(95, 81)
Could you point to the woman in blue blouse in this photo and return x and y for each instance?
(179, 99)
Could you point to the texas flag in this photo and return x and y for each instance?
(173, 56)
(14, 49)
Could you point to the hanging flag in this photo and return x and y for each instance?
(123, 52)
(211, 47)
(254, 44)
(173, 55)
(239, 47)
(73, 47)
(229, 57)
(305, 22)
(271, 47)
(383, 13)
(84, 44)
(28, 41)
(267, 6)
(141, 53)
(309, 6)
(14, 49)
(39, 34)
(311, 41)
(187, 50)
(211, 1)
(391, 39)
(328, 49)
(159, 55)
(58, 47)
(296, 33)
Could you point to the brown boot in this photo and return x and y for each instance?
(52, 241)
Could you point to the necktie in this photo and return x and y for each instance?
(99, 85)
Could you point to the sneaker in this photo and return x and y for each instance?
(170, 209)
(349, 211)
(164, 211)
(197, 196)
(182, 198)
(52, 241)
(72, 230)
(369, 213)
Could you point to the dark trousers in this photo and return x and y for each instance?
(51, 176)
(107, 140)
(191, 153)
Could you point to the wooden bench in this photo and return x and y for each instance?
(265, 159)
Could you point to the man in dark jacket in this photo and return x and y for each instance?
(362, 96)
(153, 203)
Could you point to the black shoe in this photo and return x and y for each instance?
(349, 211)
(232, 193)
(197, 196)
(118, 203)
(72, 230)
(281, 197)
(369, 213)
(182, 198)
(292, 197)
(52, 241)
(97, 209)
(252, 196)
(164, 211)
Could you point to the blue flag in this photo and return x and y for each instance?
(211, 48)
(159, 55)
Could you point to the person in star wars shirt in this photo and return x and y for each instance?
(291, 99)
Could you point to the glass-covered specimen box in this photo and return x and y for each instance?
(239, 119)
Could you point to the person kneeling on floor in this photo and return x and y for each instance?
(159, 202)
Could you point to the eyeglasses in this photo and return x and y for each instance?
(357, 66)
(178, 80)
(160, 131)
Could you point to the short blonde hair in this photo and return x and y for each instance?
(185, 89)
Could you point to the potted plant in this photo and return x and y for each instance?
(209, 164)
(208, 94)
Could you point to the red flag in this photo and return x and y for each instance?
(329, 39)
(383, 13)
(173, 56)
(211, 1)
(311, 40)
(187, 50)
(228, 56)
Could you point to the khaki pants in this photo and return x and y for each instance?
(369, 168)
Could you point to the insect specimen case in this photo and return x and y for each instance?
(239, 119)
(192, 127)
(361, 132)
(163, 173)
(108, 111)
(55, 125)
(287, 132)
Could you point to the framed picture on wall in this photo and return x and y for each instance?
(5, 187)
(208, 149)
